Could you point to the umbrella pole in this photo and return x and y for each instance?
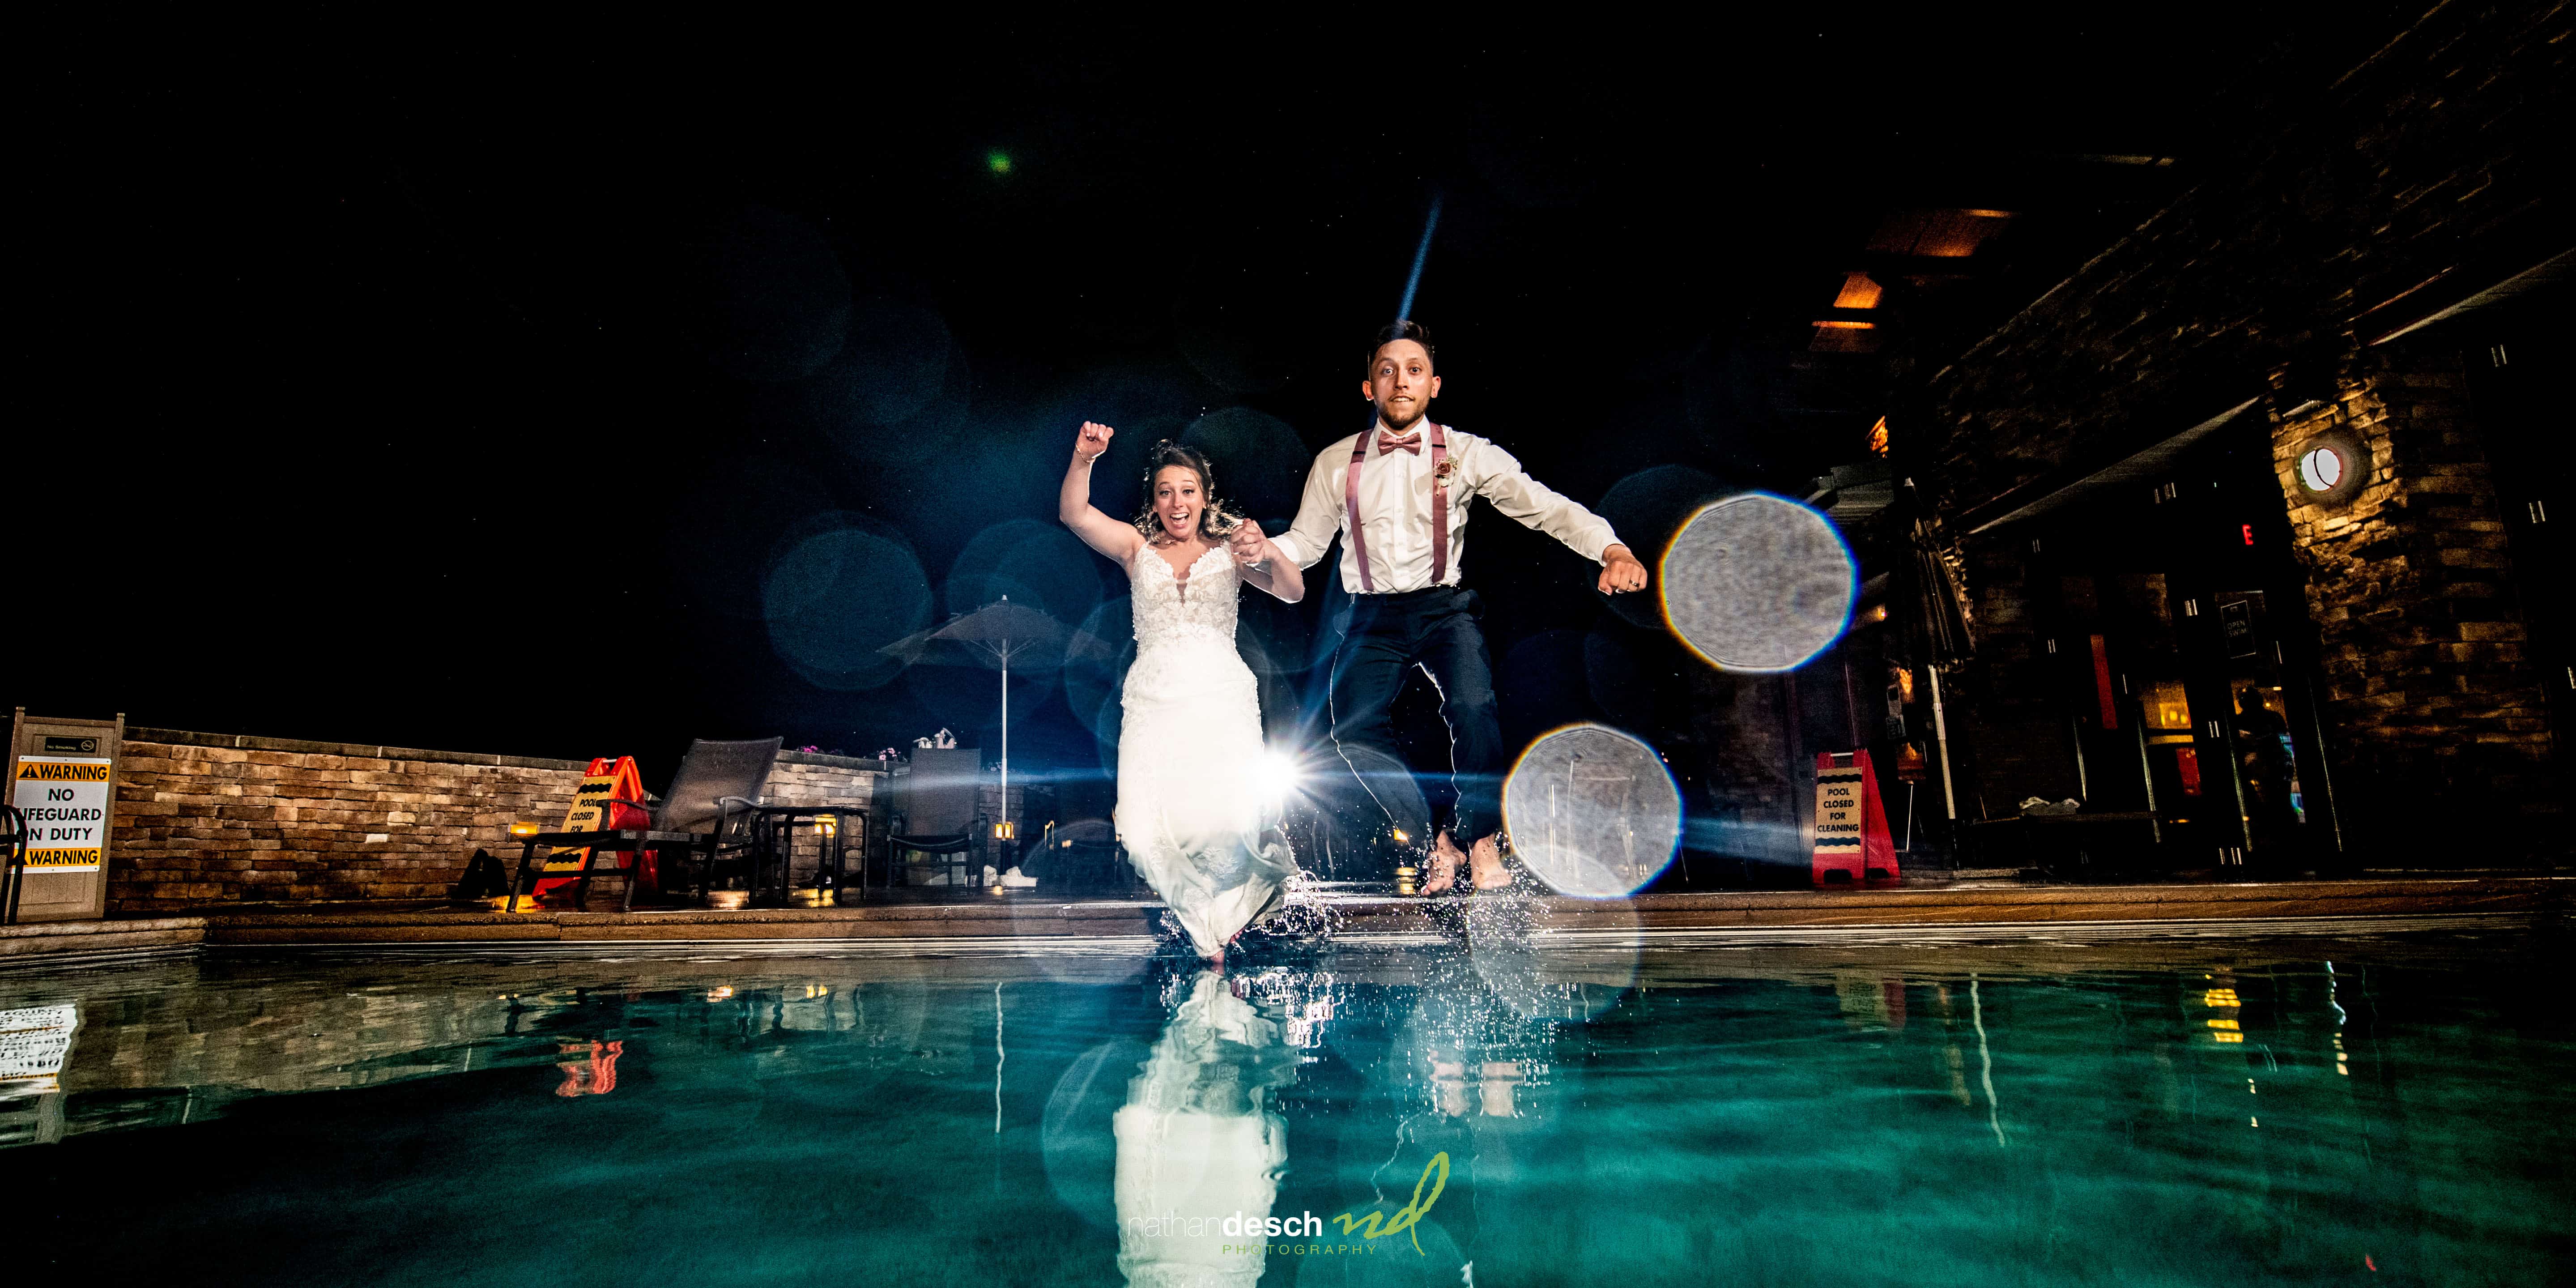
(1006, 738)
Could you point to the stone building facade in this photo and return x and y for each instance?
(2344, 274)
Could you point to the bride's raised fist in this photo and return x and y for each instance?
(1093, 440)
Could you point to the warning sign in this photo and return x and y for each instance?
(593, 810)
(1851, 825)
(65, 801)
(34, 1042)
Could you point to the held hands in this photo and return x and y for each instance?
(1621, 571)
(1093, 440)
(1251, 549)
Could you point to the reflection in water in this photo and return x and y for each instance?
(1200, 1148)
(589, 1068)
(34, 1043)
(1816, 1114)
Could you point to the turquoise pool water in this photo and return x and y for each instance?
(2386, 1111)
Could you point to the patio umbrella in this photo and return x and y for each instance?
(1001, 635)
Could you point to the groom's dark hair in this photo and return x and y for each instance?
(1400, 329)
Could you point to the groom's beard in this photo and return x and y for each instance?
(1386, 415)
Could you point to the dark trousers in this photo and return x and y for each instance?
(1388, 636)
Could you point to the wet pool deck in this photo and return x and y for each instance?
(2000, 908)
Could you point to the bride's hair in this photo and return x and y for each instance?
(1215, 519)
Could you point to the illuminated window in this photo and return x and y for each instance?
(2167, 707)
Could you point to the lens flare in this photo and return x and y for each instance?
(1037, 564)
(1593, 812)
(839, 596)
(1273, 776)
(1758, 583)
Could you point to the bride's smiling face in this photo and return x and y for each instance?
(1178, 501)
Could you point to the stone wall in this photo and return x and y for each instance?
(2434, 168)
(2425, 664)
(217, 818)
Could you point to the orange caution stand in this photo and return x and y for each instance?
(608, 780)
(1852, 844)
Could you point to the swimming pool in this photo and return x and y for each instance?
(2388, 1110)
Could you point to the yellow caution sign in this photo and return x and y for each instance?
(608, 780)
(64, 799)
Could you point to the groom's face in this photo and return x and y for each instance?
(1401, 383)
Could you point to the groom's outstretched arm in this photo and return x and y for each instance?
(1499, 478)
(1319, 516)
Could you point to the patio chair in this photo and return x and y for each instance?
(939, 823)
(705, 821)
(950, 854)
(1083, 855)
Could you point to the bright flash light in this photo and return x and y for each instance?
(998, 162)
(1274, 775)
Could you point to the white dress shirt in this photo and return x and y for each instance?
(1395, 509)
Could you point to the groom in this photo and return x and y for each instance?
(1398, 496)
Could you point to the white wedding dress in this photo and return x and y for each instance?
(1190, 807)
(1200, 1140)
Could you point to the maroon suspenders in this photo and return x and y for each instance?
(1439, 507)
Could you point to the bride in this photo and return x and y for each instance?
(1190, 746)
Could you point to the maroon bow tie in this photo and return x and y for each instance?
(1388, 442)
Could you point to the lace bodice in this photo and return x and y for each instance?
(1167, 609)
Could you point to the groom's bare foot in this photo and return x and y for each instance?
(1485, 863)
(1444, 866)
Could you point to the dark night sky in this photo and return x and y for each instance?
(470, 388)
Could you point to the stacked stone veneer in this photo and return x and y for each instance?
(2434, 160)
(2426, 669)
(215, 818)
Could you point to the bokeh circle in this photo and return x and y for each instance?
(1259, 463)
(1758, 583)
(1593, 812)
(1038, 565)
(836, 598)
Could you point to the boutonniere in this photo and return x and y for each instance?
(1448, 466)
